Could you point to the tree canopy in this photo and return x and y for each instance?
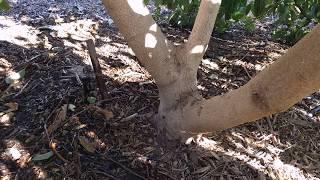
(292, 19)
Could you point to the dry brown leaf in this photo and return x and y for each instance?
(13, 106)
(107, 114)
(58, 120)
(86, 144)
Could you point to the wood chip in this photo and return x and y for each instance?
(58, 120)
(86, 144)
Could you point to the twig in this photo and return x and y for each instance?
(106, 174)
(33, 58)
(245, 69)
(270, 124)
(96, 68)
(80, 112)
(22, 89)
(77, 161)
(247, 72)
(125, 168)
(53, 145)
(129, 117)
(78, 79)
(167, 175)
(57, 106)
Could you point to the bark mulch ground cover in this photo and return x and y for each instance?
(54, 124)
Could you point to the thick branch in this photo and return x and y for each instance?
(144, 36)
(201, 32)
(278, 87)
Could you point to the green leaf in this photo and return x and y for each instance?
(91, 100)
(42, 157)
(259, 8)
(249, 24)
(4, 5)
(15, 76)
(238, 15)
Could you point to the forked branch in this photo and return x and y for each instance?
(278, 87)
(143, 35)
(202, 29)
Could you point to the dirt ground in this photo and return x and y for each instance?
(55, 125)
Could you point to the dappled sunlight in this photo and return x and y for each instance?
(79, 30)
(150, 41)
(198, 49)
(5, 66)
(6, 118)
(17, 33)
(215, 1)
(210, 64)
(260, 155)
(113, 136)
(15, 151)
(153, 27)
(26, 35)
(39, 172)
(138, 7)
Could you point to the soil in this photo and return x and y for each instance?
(55, 125)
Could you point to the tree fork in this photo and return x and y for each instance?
(182, 110)
(285, 82)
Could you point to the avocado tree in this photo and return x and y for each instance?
(174, 67)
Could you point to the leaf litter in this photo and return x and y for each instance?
(115, 136)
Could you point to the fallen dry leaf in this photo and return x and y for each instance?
(107, 114)
(86, 144)
(13, 106)
(58, 120)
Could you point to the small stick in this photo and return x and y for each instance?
(57, 106)
(96, 67)
(53, 148)
(247, 72)
(77, 161)
(107, 175)
(167, 175)
(53, 145)
(22, 89)
(125, 168)
(129, 117)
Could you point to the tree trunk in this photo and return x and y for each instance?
(182, 110)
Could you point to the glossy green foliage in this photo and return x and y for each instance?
(4, 5)
(293, 17)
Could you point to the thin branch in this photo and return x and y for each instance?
(125, 168)
(106, 174)
(144, 36)
(96, 68)
(201, 32)
(275, 89)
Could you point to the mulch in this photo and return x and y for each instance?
(54, 123)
